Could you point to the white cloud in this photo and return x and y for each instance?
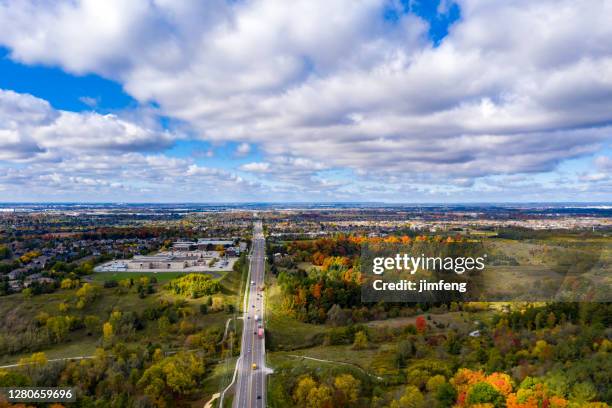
(47, 153)
(80, 131)
(256, 167)
(31, 129)
(89, 101)
(128, 176)
(515, 87)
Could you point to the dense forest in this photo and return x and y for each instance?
(521, 355)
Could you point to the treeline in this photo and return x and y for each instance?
(523, 233)
(531, 317)
(350, 246)
(194, 285)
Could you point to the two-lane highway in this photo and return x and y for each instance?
(251, 386)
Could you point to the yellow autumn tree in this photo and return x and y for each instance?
(349, 387)
(107, 331)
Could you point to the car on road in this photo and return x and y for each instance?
(254, 366)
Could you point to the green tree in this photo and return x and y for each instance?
(446, 395)
(92, 324)
(558, 384)
(405, 350)
(482, 393)
(5, 252)
(583, 392)
(203, 308)
(12, 378)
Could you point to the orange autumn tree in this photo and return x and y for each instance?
(315, 290)
(501, 382)
(465, 379)
(532, 394)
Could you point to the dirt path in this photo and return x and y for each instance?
(335, 362)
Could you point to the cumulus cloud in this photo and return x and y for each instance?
(47, 153)
(127, 175)
(515, 87)
(31, 129)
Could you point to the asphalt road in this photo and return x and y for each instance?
(251, 386)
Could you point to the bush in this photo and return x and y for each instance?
(482, 393)
(194, 285)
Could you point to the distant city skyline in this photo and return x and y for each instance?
(466, 101)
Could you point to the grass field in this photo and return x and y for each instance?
(160, 276)
(375, 361)
(307, 266)
(79, 345)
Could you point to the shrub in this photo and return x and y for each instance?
(194, 285)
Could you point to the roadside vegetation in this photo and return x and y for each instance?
(328, 349)
(143, 342)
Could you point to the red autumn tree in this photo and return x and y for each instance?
(421, 324)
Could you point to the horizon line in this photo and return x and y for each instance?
(296, 202)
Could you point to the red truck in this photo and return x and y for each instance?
(260, 332)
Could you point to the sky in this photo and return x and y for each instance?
(308, 100)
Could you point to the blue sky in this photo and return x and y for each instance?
(407, 101)
(62, 90)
